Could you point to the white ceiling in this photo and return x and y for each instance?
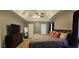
(28, 14)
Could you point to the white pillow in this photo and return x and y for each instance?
(63, 35)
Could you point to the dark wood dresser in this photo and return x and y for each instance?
(12, 41)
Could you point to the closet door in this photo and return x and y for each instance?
(43, 29)
(30, 30)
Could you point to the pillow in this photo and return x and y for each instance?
(57, 34)
(63, 35)
(52, 33)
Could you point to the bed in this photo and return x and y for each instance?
(45, 41)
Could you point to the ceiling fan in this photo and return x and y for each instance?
(38, 15)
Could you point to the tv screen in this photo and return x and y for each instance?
(14, 29)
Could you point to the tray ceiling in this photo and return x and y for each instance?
(34, 15)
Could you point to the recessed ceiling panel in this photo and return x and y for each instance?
(36, 15)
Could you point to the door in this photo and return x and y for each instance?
(25, 32)
(30, 26)
(43, 29)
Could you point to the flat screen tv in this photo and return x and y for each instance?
(14, 28)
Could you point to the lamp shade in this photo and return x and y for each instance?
(25, 29)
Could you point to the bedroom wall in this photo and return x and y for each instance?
(6, 18)
(64, 21)
(37, 26)
(0, 37)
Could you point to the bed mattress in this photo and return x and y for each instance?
(46, 40)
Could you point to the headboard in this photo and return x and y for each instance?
(61, 30)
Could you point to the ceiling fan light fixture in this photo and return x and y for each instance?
(38, 15)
